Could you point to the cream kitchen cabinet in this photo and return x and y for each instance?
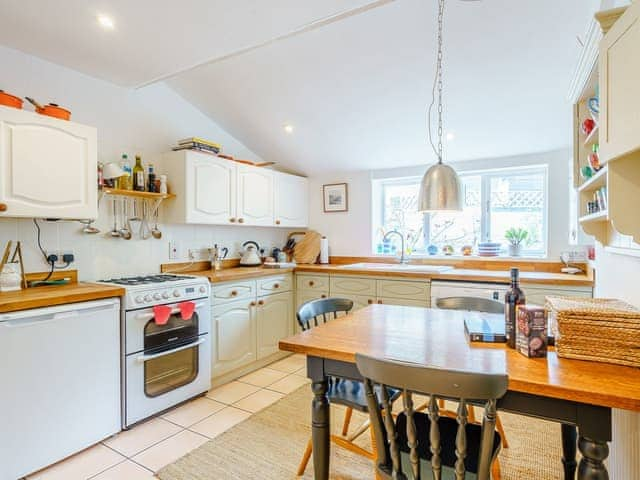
(310, 287)
(407, 302)
(48, 167)
(255, 196)
(291, 200)
(274, 319)
(536, 294)
(351, 285)
(233, 336)
(619, 71)
(367, 290)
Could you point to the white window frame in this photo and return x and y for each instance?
(485, 189)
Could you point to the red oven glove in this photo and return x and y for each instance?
(186, 310)
(161, 314)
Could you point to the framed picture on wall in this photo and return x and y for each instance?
(335, 197)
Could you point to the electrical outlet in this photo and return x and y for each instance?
(198, 253)
(174, 252)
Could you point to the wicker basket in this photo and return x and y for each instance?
(597, 329)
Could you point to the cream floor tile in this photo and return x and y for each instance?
(288, 384)
(125, 471)
(263, 377)
(290, 364)
(142, 436)
(194, 411)
(259, 400)
(232, 392)
(169, 450)
(220, 422)
(82, 465)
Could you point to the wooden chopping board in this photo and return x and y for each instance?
(308, 248)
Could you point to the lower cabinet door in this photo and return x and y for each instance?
(359, 301)
(403, 301)
(233, 336)
(274, 321)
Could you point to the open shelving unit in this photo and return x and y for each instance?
(136, 194)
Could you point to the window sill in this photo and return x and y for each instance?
(457, 257)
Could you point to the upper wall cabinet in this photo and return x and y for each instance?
(215, 191)
(255, 196)
(48, 167)
(291, 200)
(619, 93)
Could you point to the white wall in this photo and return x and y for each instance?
(350, 233)
(146, 121)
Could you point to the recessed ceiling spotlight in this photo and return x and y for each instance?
(451, 137)
(106, 22)
(288, 128)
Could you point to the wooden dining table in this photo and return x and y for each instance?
(578, 394)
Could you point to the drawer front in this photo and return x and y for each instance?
(312, 282)
(359, 301)
(401, 289)
(407, 302)
(274, 284)
(232, 291)
(352, 286)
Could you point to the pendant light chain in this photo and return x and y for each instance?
(437, 85)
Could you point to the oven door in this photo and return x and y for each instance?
(159, 379)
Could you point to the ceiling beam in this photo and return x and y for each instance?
(316, 24)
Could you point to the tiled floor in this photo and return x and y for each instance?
(140, 452)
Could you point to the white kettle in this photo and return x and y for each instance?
(251, 255)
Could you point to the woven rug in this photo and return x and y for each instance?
(269, 445)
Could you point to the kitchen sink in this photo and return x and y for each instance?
(398, 267)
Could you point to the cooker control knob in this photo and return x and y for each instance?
(139, 299)
(176, 293)
(203, 289)
(165, 295)
(147, 298)
(156, 296)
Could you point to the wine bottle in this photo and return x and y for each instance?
(138, 175)
(513, 298)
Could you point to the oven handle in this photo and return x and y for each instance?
(149, 316)
(145, 358)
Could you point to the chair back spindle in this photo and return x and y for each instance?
(315, 312)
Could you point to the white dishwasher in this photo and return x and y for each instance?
(60, 377)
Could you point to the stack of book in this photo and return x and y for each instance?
(199, 144)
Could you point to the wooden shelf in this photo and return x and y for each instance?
(596, 182)
(601, 216)
(136, 194)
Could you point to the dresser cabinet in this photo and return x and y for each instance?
(215, 191)
(619, 71)
(48, 167)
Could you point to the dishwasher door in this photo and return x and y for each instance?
(60, 374)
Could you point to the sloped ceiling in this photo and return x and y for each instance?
(355, 87)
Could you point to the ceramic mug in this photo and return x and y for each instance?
(594, 105)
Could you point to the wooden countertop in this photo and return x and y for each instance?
(436, 337)
(239, 273)
(56, 295)
(460, 274)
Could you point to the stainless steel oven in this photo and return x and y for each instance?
(165, 363)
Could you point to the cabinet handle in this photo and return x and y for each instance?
(379, 302)
(241, 220)
(323, 296)
(260, 302)
(277, 222)
(234, 293)
(252, 304)
(369, 301)
(276, 285)
(232, 220)
(3, 207)
(311, 283)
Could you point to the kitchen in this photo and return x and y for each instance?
(346, 169)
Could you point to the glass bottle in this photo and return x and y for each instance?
(138, 175)
(126, 179)
(513, 298)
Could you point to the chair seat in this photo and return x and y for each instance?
(350, 393)
(448, 431)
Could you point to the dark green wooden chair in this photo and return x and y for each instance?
(342, 391)
(418, 445)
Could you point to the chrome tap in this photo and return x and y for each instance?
(403, 259)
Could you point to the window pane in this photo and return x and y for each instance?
(518, 201)
(400, 205)
(459, 228)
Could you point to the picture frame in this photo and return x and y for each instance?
(335, 197)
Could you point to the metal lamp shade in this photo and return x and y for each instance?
(440, 190)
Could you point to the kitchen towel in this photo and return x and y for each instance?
(324, 250)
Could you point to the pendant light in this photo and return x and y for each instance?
(440, 189)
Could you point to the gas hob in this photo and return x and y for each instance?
(145, 291)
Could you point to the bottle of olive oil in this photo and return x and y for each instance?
(125, 180)
(513, 298)
(138, 175)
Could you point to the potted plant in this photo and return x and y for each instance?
(517, 237)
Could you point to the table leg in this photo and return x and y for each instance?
(569, 446)
(320, 429)
(594, 452)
